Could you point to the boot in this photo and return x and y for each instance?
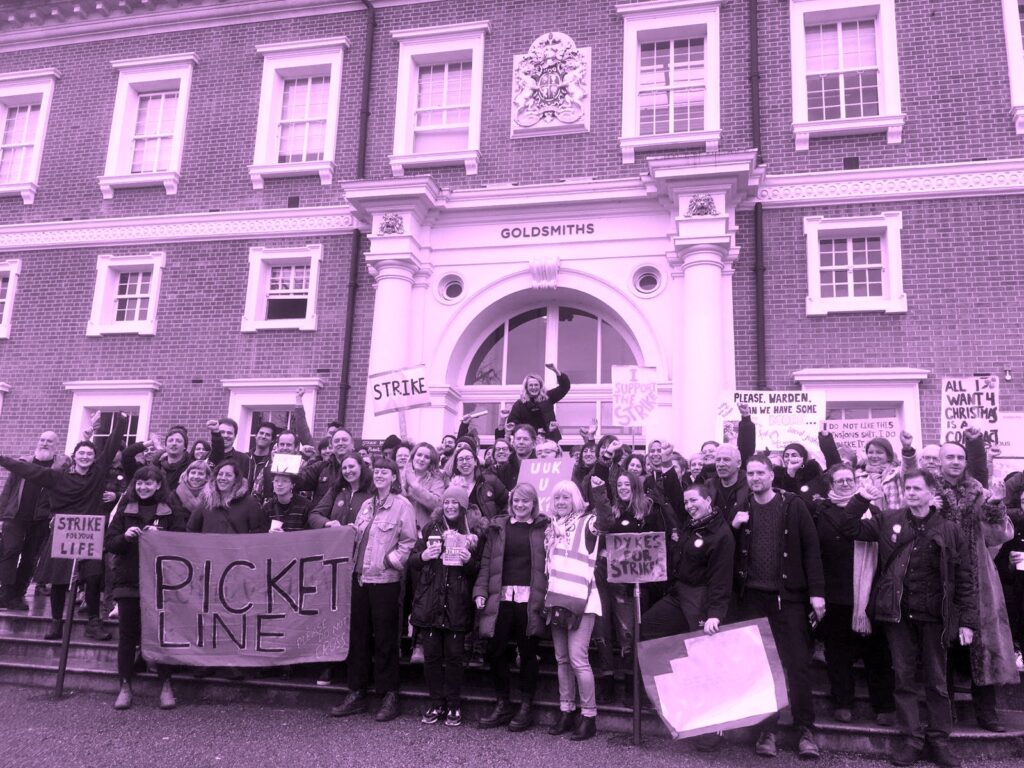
(524, 717)
(586, 729)
(95, 630)
(56, 630)
(942, 753)
(905, 754)
(388, 708)
(501, 715)
(566, 722)
(807, 747)
(353, 704)
(124, 696)
(167, 700)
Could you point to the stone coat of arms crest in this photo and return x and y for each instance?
(551, 87)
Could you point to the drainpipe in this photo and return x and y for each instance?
(357, 236)
(759, 268)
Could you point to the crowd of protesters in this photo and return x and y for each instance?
(902, 559)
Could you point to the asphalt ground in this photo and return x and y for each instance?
(84, 731)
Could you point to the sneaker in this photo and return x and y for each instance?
(167, 700)
(454, 717)
(905, 754)
(432, 715)
(417, 655)
(324, 678)
(124, 697)
(765, 746)
(113, 613)
(95, 630)
(1020, 661)
(354, 703)
(807, 747)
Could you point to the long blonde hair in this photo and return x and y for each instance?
(524, 395)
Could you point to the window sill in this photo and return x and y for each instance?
(299, 324)
(891, 125)
(820, 307)
(168, 179)
(468, 158)
(143, 328)
(706, 140)
(322, 168)
(26, 189)
(1017, 113)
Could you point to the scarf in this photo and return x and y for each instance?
(841, 500)
(559, 534)
(190, 499)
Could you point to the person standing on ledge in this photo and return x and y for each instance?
(537, 407)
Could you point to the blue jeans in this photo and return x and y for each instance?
(572, 654)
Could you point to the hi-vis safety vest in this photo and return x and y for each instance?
(571, 570)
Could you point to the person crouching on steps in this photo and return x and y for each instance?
(444, 565)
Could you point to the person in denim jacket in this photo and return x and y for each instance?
(385, 536)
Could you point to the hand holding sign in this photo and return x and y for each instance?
(133, 533)
(710, 626)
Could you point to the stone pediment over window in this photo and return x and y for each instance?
(551, 88)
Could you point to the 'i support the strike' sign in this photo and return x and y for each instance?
(78, 537)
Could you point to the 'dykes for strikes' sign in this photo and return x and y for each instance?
(399, 390)
(78, 537)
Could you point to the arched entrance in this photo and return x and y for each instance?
(582, 338)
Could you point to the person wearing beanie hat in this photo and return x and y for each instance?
(800, 474)
(444, 565)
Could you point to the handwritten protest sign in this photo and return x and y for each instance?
(455, 545)
(634, 395)
(636, 558)
(785, 417)
(544, 474)
(970, 401)
(246, 600)
(856, 433)
(399, 390)
(77, 537)
(705, 683)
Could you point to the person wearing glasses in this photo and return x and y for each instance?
(848, 636)
(385, 536)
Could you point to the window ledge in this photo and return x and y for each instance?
(144, 328)
(322, 168)
(27, 190)
(1017, 113)
(820, 307)
(469, 158)
(892, 125)
(250, 325)
(706, 140)
(169, 180)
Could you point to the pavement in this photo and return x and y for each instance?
(84, 731)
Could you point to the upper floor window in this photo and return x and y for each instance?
(845, 69)
(9, 271)
(282, 288)
(1013, 28)
(126, 295)
(440, 87)
(147, 133)
(300, 101)
(854, 264)
(25, 99)
(671, 71)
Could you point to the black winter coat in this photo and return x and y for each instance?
(443, 596)
(167, 516)
(836, 552)
(539, 415)
(704, 560)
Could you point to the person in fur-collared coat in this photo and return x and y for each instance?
(227, 506)
(986, 527)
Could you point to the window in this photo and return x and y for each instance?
(583, 344)
(854, 264)
(670, 93)
(25, 99)
(9, 271)
(282, 288)
(252, 402)
(1013, 27)
(300, 99)
(147, 132)
(126, 295)
(440, 86)
(134, 397)
(5, 389)
(845, 69)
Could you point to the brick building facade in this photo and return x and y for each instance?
(184, 187)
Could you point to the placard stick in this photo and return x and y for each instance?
(65, 643)
(637, 681)
(403, 431)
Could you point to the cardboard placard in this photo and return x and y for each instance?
(399, 390)
(791, 416)
(454, 545)
(970, 401)
(78, 537)
(855, 433)
(246, 600)
(634, 395)
(636, 558)
(544, 474)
